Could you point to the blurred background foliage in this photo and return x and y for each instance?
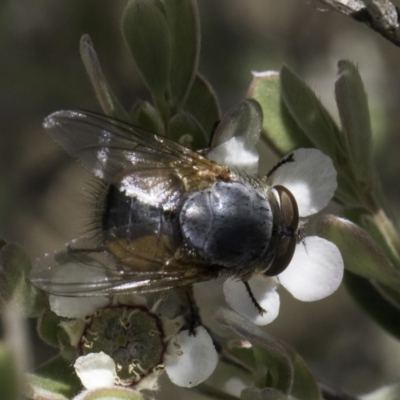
(43, 192)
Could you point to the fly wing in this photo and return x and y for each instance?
(81, 271)
(151, 170)
(120, 153)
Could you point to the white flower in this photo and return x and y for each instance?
(134, 339)
(316, 269)
(311, 178)
(190, 358)
(237, 154)
(96, 370)
(76, 307)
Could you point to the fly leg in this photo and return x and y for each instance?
(286, 160)
(253, 299)
(191, 311)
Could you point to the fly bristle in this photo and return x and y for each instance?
(94, 199)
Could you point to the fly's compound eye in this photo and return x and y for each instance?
(289, 223)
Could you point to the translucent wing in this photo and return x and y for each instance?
(119, 153)
(153, 173)
(81, 271)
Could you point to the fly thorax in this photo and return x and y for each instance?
(229, 224)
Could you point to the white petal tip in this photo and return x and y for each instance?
(191, 358)
(235, 153)
(315, 271)
(264, 291)
(74, 307)
(264, 74)
(96, 370)
(311, 178)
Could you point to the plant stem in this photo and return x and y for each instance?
(389, 232)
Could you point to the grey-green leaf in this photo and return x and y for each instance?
(309, 114)
(279, 128)
(184, 26)
(262, 394)
(274, 366)
(354, 115)
(105, 96)
(244, 120)
(304, 386)
(202, 103)
(146, 117)
(48, 327)
(146, 32)
(241, 352)
(374, 304)
(346, 192)
(183, 124)
(54, 380)
(9, 382)
(380, 227)
(361, 254)
(15, 286)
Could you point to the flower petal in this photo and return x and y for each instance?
(264, 291)
(236, 153)
(311, 178)
(316, 270)
(76, 307)
(96, 370)
(191, 359)
(114, 393)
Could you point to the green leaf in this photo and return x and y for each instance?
(262, 394)
(244, 120)
(279, 128)
(381, 229)
(389, 294)
(54, 380)
(274, 367)
(304, 386)
(146, 32)
(183, 124)
(15, 267)
(48, 327)
(241, 352)
(361, 254)
(214, 392)
(310, 115)
(9, 382)
(105, 96)
(346, 193)
(184, 26)
(370, 299)
(146, 117)
(202, 103)
(354, 115)
(225, 370)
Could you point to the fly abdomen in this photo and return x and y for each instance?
(129, 218)
(142, 236)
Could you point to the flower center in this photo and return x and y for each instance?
(132, 335)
